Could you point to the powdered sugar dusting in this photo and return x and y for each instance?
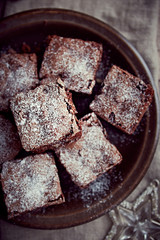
(44, 117)
(90, 156)
(30, 183)
(42, 120)
(75, 60)
(18, 73)
(96, 191)
(123, 101)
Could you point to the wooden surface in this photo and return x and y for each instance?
(139, 22)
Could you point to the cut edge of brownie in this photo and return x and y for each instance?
(10, 144)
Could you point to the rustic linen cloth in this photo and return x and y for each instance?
(138, 21)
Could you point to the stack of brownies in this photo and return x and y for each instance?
(46, 123)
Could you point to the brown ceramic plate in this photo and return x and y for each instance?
(82, 206)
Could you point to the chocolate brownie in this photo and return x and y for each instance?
(75, 60)
(10, 144)
(30, 183)
(45, 117)
(18, 72)
(91, 155)
(123, 101)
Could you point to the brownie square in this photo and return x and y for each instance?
(123, 101)
(45, 117)
(75, 60)
(10, 144)
(30, 183)
(18, 72)
(91, 155)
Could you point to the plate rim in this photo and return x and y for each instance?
(94, 20)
